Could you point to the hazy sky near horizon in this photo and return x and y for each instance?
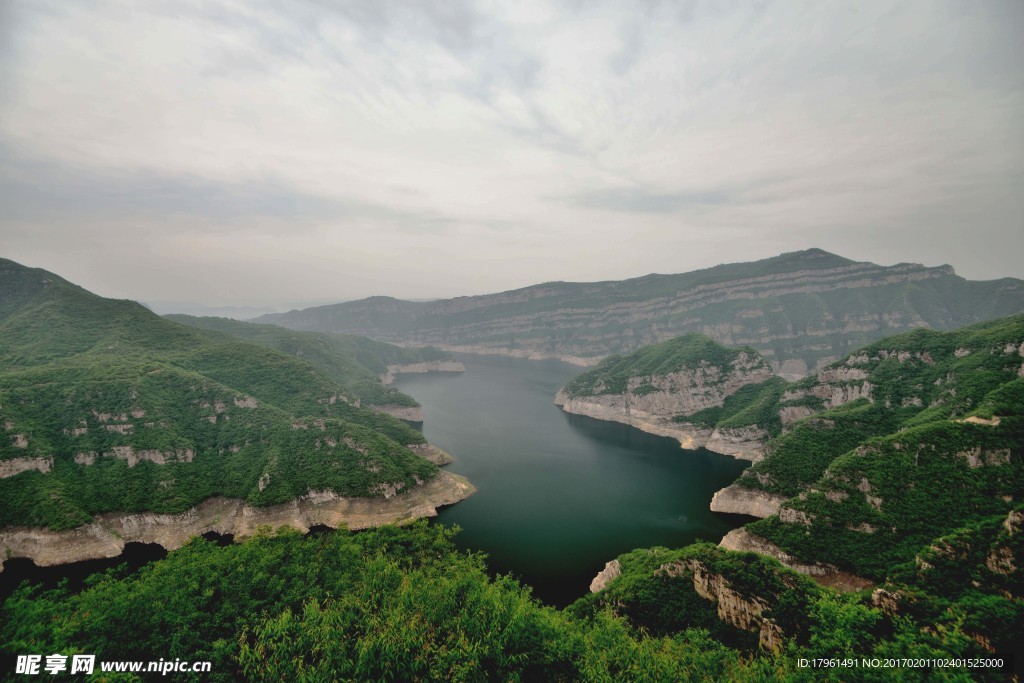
(241, 153)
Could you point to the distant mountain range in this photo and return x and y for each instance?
(800, 311)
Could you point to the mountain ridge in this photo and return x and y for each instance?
(800, 310)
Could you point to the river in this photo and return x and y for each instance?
(559, 495)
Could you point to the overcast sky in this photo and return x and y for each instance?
(273, 152)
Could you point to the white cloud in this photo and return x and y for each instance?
(444, 148)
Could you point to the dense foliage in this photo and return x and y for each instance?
(351, 361)
(751, 404)
(403, 604)
(688, 352)
(130, 412)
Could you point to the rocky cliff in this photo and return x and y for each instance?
(661, 387)
(823, 573)
(407, 413)
(745, 443)
(734, 608)
(796, 309)
(107, 535)
(418, 368)
(740, 500)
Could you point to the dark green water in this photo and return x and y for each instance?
(559, 495)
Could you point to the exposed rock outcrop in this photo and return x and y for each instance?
(650, 403)
(612, 570)
(134, 457)
(611, 409)
(407, 413)
(740, 500)
(790, 414)
(13, 466)
(432, 453)
(418, 368)
(732, 607)
(107, 535)
(825, 574)
(746, 443)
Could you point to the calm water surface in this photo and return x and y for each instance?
(559, 495)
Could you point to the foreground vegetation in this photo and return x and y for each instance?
(404, 604)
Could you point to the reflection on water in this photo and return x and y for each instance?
(559, 495)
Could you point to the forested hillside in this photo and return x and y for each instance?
(353, 362)
(107, 407)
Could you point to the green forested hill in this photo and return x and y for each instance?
(105, 406)
(902, 463)
(686, 352)
(352, 361)
(933, 443)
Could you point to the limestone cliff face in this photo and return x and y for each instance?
(740, 500)
(612, 408)
(746, 443)
(763, 305)
(418, 368)
(13, 466)
(825, 574)
(733, 608)
(686, 391)
(744, 541)
(651, 402)
(407, 413)
(612, 570)
(738, 610)
(107, 535)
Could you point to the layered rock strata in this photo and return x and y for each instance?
(739, 500)
(107, 535)
(762, 304)
(650, 403)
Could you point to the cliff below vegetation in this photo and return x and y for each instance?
(741, 540)
(120, 425)
(388, 376)
(800, 311)
(739, 500)
(735, 596)
(108, 533)
(732, 607)
(659, 388)
(407, 413)
(744, 443)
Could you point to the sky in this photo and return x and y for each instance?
(262, 154)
